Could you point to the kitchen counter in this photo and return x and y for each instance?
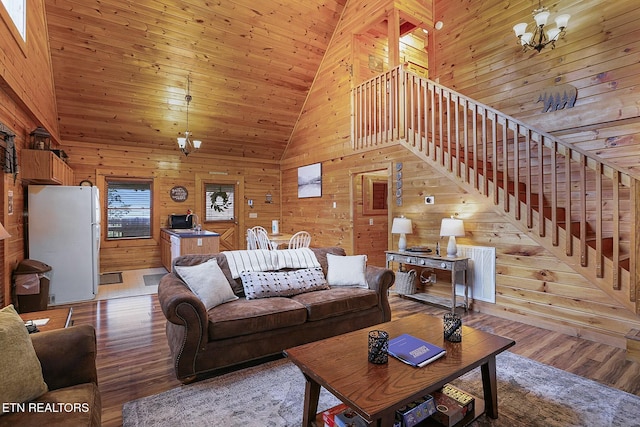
(175, 242)
(187, 232)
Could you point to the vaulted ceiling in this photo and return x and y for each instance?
(121, 70)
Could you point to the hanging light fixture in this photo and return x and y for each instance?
(186, 144)
(539, 39)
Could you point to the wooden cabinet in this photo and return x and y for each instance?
(44, 167)
(173, 245)
(165, 249)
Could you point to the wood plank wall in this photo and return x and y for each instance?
(168, 169)
(478, 55)
(532, 285)
(21, 123)
(26, 72)
(26, 101)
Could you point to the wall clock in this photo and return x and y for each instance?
(86, 183)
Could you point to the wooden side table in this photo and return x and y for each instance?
(59, 318)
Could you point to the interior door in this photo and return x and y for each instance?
(220, 208)
(371, 215)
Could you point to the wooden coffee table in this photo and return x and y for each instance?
(340, 365)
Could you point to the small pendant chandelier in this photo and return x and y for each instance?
(185, 143)
(538, 40)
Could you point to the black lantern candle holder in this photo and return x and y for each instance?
(40, 139)
(452, 327)
(378, 347)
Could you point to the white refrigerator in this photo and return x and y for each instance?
(64, 232)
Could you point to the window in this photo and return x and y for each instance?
(128, 209)
(219, 199)
(17, 11)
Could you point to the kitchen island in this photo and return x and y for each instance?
(175, 242)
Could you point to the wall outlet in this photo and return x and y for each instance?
(199, 242)
(335, 205)
(429, 200)
(370, 221)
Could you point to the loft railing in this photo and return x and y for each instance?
(581, 208)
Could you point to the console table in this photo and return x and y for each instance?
(426, 260)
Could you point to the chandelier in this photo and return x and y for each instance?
(539, 39)
(186, 144)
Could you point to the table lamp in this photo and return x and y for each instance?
(452, 227)
(402, 226)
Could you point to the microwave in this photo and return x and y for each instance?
(180, 221)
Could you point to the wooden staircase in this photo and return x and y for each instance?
(582, 209)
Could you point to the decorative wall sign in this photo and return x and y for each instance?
(179, 193)
(310, 181)
(558, 97)
(399, 184)
(376, 63)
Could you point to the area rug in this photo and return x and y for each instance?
(110, 278)
(152, 279)
(530, 394)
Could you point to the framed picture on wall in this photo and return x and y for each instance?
(310, 181)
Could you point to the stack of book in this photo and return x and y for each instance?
(342, 416)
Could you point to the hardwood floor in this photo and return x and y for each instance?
(133, 356)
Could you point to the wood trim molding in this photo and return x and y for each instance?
(101, 175)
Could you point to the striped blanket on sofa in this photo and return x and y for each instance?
(269, 260)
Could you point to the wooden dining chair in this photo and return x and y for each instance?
(302, 239)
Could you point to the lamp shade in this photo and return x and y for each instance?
(3, 232)
(562, 20)
(451, 227)
(401, 226)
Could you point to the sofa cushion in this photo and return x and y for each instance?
(208, 282)
(78, 405)
(20, 370)
(321, 255)
(245, 317)
(236, 284)
(258, 284)
(336, 302)
(347, 270)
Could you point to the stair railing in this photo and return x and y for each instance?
(578, 206)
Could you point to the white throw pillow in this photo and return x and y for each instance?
(208, 282)
(347, 270)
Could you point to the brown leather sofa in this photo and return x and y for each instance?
(68, 360)
(244, 330)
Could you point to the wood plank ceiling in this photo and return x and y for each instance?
(121, 68)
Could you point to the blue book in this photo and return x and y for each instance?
(414, 351)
